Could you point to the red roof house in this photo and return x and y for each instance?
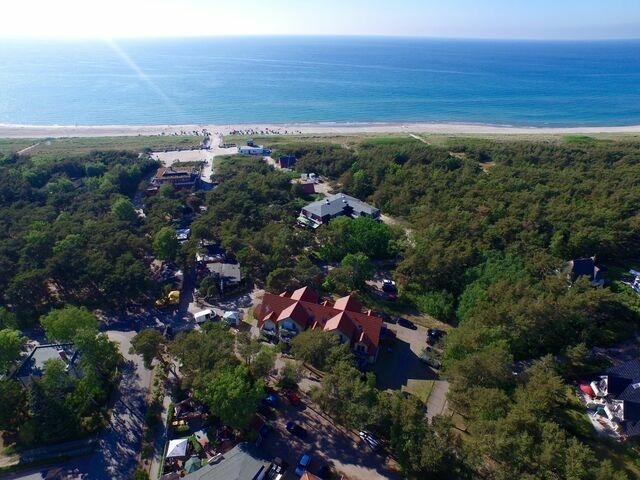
(291, 314)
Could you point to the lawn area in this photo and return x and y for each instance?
(12, 145)
(280, 142)
(419, 388)
(81, 145)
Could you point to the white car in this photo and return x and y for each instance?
(370, 440)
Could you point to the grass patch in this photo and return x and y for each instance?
(420, 388)
(12, 145)
(389, 141)
(585, 140)
(80, 145)
(574, 417)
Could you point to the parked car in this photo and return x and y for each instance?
(434, 334)
(265, 430)
(297, 430)
(293, 398)
(389, 286)
(271, 400)
(277, 469)
(369, 440)
(428, 360)
(407, 323)
(303, 464)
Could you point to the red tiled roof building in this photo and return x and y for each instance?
(289, 315)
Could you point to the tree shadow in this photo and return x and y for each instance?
(394, 369)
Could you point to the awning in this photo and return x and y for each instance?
(177, 448)
(193, 464)
(587, 390)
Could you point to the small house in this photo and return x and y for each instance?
(177, 177)
(585, 267)
(33, 365)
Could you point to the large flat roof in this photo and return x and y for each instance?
(242, 462)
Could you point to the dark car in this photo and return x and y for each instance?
(293, 398)
(434, 335)
(428, 360)
(265, 430)
(389, 286)
(271, 400)
(406, 323)
(297, 430)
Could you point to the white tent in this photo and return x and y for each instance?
(232, 317)
(177, 448)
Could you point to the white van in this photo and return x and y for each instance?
(203, 316)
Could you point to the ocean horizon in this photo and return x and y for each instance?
(320, 80)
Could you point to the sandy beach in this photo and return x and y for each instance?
(58, 131)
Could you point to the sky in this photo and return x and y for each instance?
(530, 19)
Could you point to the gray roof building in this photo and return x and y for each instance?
(33, 365)
(230, 272)
(317, 213)
(242, 462)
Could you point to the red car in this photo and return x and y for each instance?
(293, 398)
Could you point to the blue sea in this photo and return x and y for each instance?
(325, 79)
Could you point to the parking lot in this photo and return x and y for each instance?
(395, 368)
(326, 442)
(401, 369)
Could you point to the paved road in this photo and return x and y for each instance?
(327, 443)
(116, 456)
(437, 403)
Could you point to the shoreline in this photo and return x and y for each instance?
(346, 128)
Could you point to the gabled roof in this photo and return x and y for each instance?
(336, 204)
(271, 303)
(343, 323)
(585, 267)
(348, 303)
(175, 172)
(623, 383)
(297, 313)
(306, 294)
(348, 318)
(616, 385)
(33, 365)
(629, 370)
